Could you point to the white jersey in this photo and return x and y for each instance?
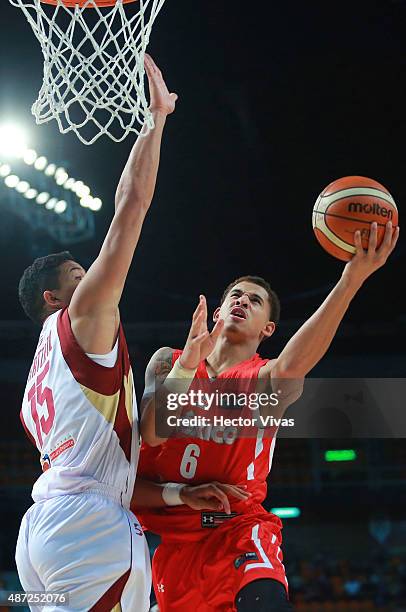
(81, 416)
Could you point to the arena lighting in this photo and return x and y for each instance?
(31, 193)
(90, 202)
(86, 201)
(13, 143)
(42, 198)
(69, 184)
(13, 140)
(29, 156)
(41, 163)
(340, 455)
(95, 204)
(60, 207)
(61, 177)
(50, 205)
(50, 170)
(22, 186)
(12, 181)
(4, 170)
(81, 190)
(286, 512)
(41, 192)
(61, 216)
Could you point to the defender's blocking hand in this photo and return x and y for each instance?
(161, 99)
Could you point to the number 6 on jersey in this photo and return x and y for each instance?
(188, 465)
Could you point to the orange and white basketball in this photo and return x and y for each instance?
(349, 204)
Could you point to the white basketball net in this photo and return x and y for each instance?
(93, 66)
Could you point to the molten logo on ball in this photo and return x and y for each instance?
(351, 204)
(375, 208)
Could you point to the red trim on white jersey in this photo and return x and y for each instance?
(96, 377)
(86, 371)
(112, 597)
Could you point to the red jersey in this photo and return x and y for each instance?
(213, 453)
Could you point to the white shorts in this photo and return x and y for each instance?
(89, 547)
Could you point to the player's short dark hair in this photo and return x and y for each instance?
(274, 303)
(41, 275)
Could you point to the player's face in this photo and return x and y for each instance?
(70, 275)
(246, 312)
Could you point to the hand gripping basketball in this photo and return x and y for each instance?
(364, 263)
(200, 342)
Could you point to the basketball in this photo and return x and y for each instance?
(348, 204)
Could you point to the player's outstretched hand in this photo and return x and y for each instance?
(161, 99)
(212, 496)
(364, 263)
(200, 341)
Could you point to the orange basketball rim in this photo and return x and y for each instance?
(81, 3)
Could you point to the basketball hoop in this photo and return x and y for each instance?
(93, 82)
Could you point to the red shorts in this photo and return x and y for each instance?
(206, 576)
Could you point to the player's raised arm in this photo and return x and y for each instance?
(305, 349)
(93, 308)
(199, 344)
